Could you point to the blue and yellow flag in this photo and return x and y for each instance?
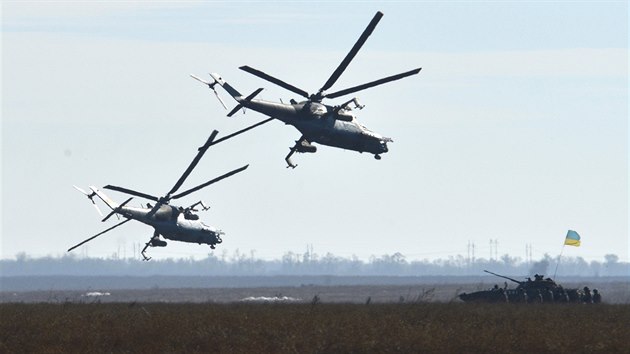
(573, 239)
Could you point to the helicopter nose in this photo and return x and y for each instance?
(213, 236)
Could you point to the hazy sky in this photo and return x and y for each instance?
(516, 129)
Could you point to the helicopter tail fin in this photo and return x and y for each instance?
(243, 101)
(231, 90)
(107, 200)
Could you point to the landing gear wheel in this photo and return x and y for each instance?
(212, 246)
(378, 157)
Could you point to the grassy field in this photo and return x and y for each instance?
(313, 328)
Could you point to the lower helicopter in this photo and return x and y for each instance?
(171, 222)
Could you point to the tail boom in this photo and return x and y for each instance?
(102, 196)
(231, 90)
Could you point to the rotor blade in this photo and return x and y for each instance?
(154, 210)
(241, 131)
(372, 84)
(272, 79)
(355, 49)
(200, 80)
(195, 161)
(182, 194)
(211, 86)
(132, 192)
(117, 210)
(98, 234)
(90, 197)
(219, 98)
(80, 190)
(98, 210)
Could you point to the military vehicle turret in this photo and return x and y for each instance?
(539, 290)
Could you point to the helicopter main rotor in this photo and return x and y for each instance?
(355, 49)
(320, 94)
(169, 196)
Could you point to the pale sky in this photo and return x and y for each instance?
(515, 130)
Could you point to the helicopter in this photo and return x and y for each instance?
(334, 126)
(172, 222)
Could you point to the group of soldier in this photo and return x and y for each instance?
(542, 290)
(594, 298)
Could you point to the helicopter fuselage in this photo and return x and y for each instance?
(175, 224)
(323, 124)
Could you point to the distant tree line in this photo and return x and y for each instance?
(310, 263)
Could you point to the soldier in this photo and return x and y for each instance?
(548, 295)
(562, 296)
(522, 296)
(587, 298)
(574, 295)
(503, 297)
(597, 297)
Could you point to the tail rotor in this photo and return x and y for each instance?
(90, 196)
(211, 86)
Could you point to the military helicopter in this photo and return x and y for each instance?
(172, 222)
(319, 123)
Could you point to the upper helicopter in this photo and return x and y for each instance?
(172, 222)
(332, 125)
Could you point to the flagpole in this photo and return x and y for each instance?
(558, 263)
(572, 239)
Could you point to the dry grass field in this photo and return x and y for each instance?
(313, 328)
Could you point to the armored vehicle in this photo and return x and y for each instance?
(539, 290)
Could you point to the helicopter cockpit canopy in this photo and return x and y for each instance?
(345, 115)
(317, 109)
(189, 215)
